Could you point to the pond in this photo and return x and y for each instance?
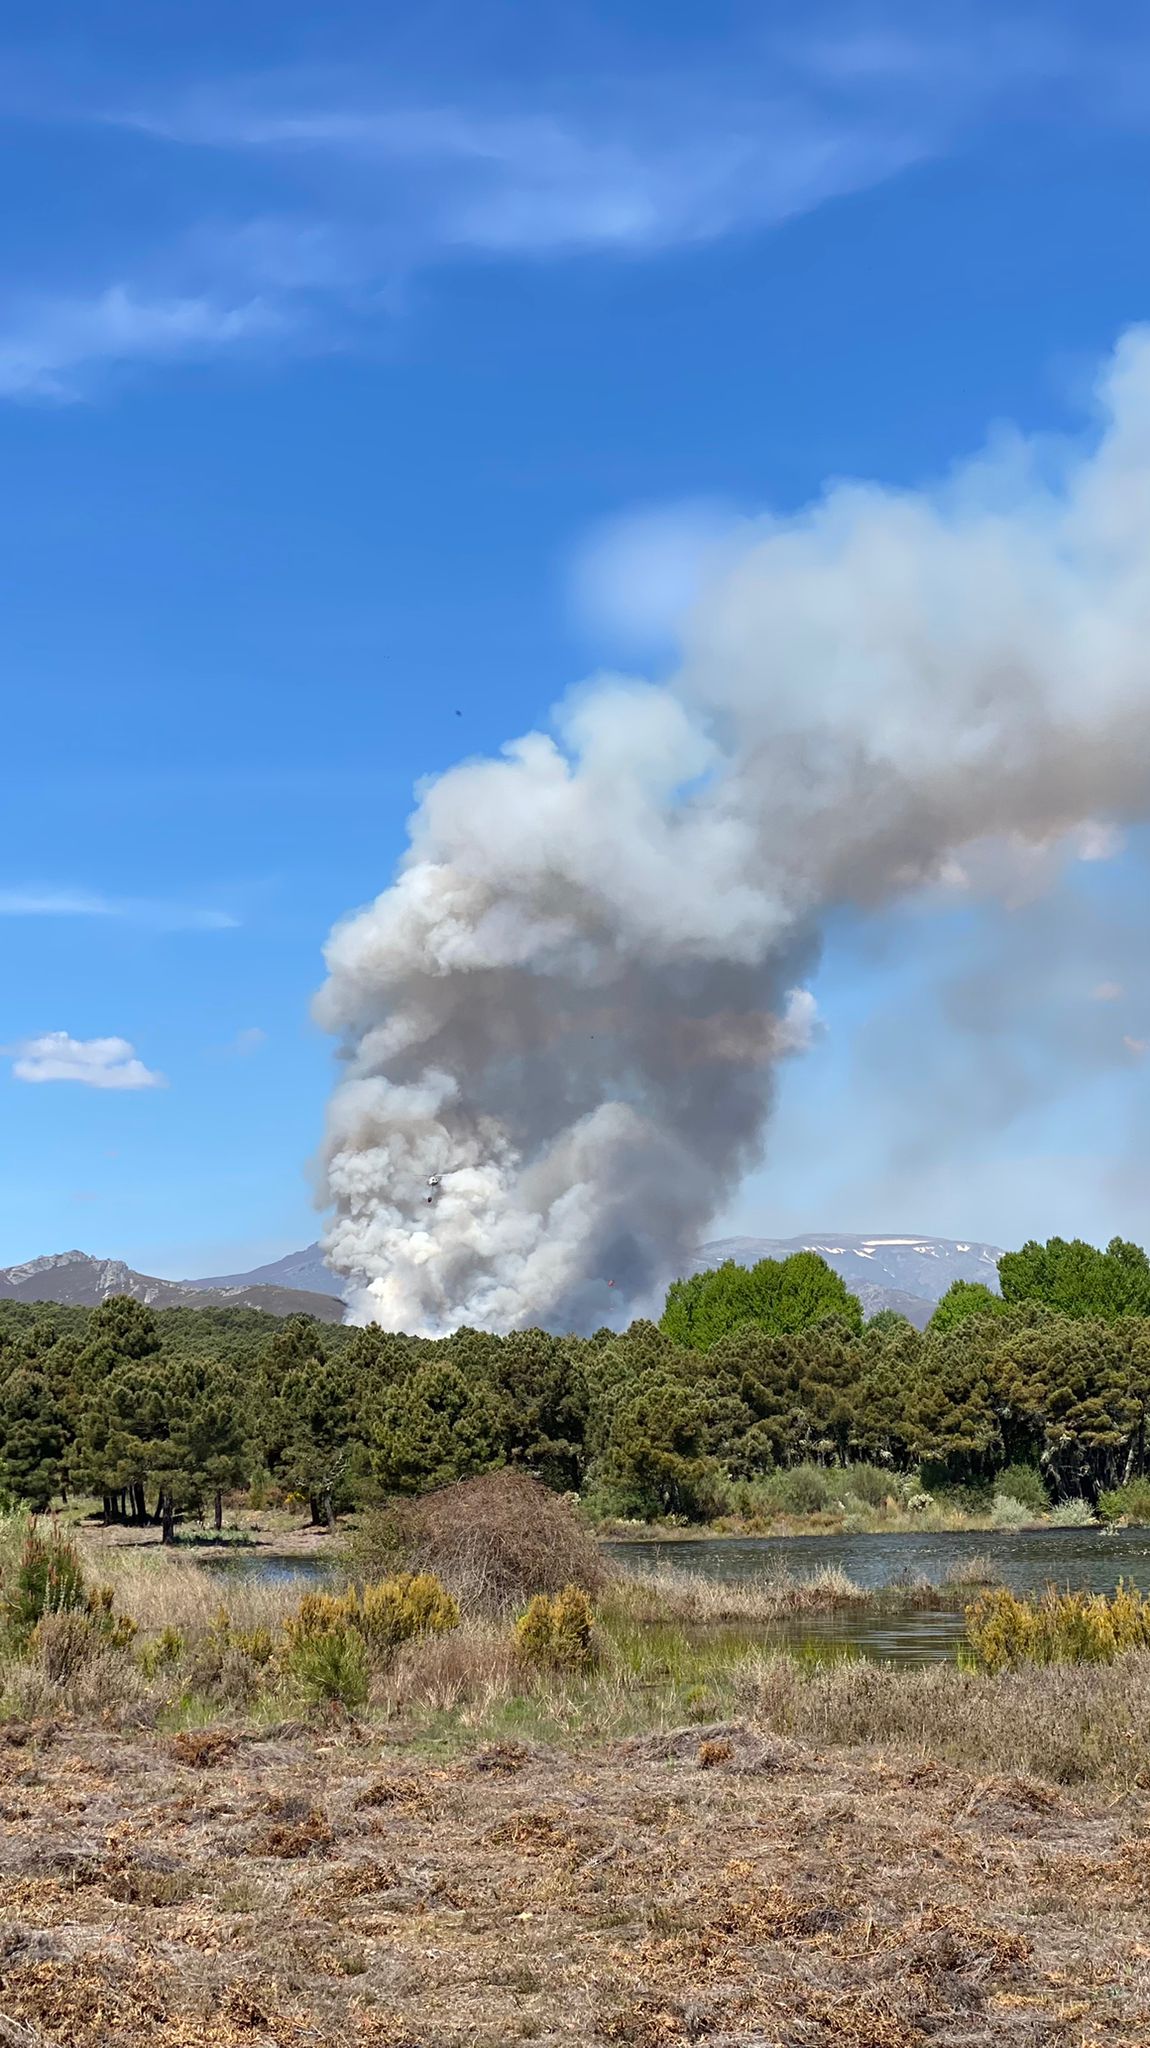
(1087, 1560)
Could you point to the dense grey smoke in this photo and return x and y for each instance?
(572, 1000)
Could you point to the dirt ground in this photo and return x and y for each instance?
(329, 1887)
(271, 1532)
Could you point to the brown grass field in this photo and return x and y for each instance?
(692, 1837)
(330, 1885)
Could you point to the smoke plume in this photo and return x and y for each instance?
(572, 1001)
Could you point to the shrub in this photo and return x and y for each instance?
(163, 1652)
(873, 1485)
(228, 1664)
(411, 1604)
(803, 1490)
(386, 1613)
(1129, 1503)
(1060, 1628)
(118, 1630)
(331, 1664)
(556, 1630)
(1008, 1513)
(48, 1579)
(1024, 1483)
(1073, 1514)
(492, 1541)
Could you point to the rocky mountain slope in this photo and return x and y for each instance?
(78, 1280)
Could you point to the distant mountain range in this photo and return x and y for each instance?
(907, 1273)
(79, 1281)
(304, 1269)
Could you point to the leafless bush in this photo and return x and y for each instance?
(493, 1541)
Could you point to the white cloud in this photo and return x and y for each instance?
(94, 1062)
(49, 346)
(249, 1040)
(1138, 1046)
(1106, 992)
(163, 916)
(1097, 840)
(637, 578)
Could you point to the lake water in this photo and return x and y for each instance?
(1087, 1560)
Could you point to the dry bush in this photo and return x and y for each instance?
(493, 1541)
(474, 1667)
(64, 1641)
(105, 1686)
(293, 1832)
(1065, 1723)
(203, 1748)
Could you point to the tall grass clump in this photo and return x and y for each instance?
(1005, 1631)
(1087, 1723)
(493, 1542)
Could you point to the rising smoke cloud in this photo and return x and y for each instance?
(572, 1001)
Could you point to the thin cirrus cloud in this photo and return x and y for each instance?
(49, 346)
(423, 183)
(363, 182)
(142, 910)
(92, 1062)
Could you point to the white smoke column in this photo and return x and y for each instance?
(572, 1000)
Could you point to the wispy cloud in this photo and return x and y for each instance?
(49, 347)
(93, 1062)
(160, 915)
(363, 182)
(248, 1041)
(636, 174)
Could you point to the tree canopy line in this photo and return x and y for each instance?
(166, 1413)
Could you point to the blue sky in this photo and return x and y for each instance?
(328, 342)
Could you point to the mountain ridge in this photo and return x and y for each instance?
(901, 1271)
(78, 1280)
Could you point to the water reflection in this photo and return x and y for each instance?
(1088, 1560)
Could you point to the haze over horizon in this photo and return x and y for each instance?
(366, 390)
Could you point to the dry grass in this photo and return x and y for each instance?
(664, 1593)
(1073, 1723)
(160, 1591)
(776, 1895)
(493, 1542)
